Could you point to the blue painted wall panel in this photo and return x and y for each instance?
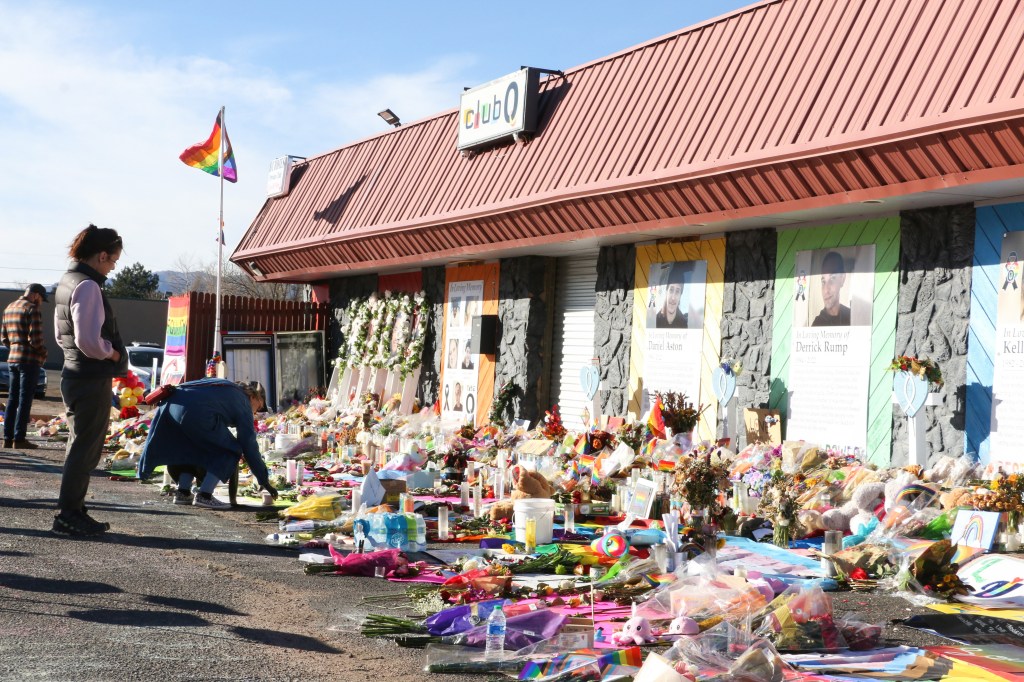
(992, 223)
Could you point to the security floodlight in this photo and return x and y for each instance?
(389, 117)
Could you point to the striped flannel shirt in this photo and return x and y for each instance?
(22, 332)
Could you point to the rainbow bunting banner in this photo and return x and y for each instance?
(206, 155)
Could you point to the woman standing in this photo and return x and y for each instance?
(93, 355)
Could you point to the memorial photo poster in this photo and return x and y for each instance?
(830, 351)
(460, 371)
(675, 329)
(1008, 358)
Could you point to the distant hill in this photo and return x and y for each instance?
(172, 281)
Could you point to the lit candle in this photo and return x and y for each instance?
(442, 523)
(570, 517)
(357, 499)
(476, 502)
(465, 494)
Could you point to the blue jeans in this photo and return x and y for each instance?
(24, 378)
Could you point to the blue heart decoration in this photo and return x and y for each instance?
(724, 384)
(911, 392)
(590, 379)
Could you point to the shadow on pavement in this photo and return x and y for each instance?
(28, 463)
(192, 605)
(288, 640)
(16, 581)
(139, 618)
(105, 507)
(221, 546)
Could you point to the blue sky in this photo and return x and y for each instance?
(98, 99)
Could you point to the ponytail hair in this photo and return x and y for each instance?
(93, 240)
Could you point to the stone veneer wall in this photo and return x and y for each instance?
(340, 292)
(747, 314)
(430, 371)
(613, 323)
(936, 252)
(525, 308)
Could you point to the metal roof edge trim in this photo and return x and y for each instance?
(639, 182)
(852, 198)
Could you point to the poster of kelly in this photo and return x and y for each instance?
(461, 366)
(830, 351)
(675, 329)
(1008, 359)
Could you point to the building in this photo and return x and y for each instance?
(746, 147)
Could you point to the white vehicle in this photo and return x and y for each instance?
(140, 361)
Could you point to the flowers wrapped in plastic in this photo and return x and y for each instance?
(801, 619)
(725, 652)
(520, 631)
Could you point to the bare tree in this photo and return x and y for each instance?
(234, 281)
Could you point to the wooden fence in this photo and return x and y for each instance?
(241, 314)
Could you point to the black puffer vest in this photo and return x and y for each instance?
(78, 365)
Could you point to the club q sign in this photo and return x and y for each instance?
(499, 109)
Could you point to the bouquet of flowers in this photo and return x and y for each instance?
(779, 504)
(1005, 494)
(922, 367)
(701, 482)
(633, 434)
(553, 427)
(679, 414)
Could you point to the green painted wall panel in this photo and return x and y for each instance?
(884, 233)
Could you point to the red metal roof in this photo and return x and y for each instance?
(782, 105)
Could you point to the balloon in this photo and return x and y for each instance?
(138, 391)
(125, 392)
(124, 401)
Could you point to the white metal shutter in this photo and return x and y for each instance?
(572, 338)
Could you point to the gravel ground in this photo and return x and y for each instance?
(181, 593)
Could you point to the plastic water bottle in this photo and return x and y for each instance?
(494, 648)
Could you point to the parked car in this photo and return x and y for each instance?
(5, 375)
(140, 361)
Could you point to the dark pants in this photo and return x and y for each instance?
(24, 378)
(88, 407)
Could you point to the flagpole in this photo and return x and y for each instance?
(220, 234)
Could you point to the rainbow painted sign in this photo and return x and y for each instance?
(175, 345)
(974, 528)
(997, 581)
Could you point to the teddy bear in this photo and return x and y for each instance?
(858, 511)
(526, 484)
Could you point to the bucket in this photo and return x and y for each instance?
(540, 510)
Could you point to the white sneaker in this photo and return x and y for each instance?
(209, 501)
(182, 497)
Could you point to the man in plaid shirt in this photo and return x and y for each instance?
(22, 332)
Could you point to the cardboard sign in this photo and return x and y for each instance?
(535, 447)
(974, 528)
(762, 426)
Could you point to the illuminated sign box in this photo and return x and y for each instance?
(502, 108)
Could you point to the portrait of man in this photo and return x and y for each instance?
(670, 316)
(833, 278)
(467, 356)
(457, 397)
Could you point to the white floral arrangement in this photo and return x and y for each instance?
(370, 328)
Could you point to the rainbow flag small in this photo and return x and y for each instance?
(655, 422)
(666, 465)
(206, 155)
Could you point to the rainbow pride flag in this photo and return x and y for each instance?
(206, 155)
